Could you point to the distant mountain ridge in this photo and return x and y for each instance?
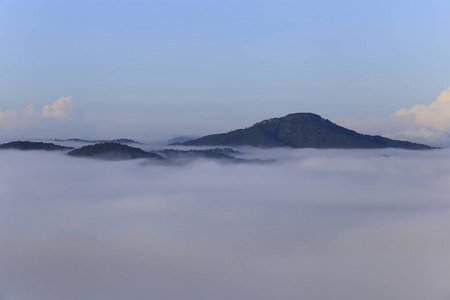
(181, 139)
(120, 141)
(113, 151)
(116, 151)
(27, 145)
(301, 130)
(222, 154)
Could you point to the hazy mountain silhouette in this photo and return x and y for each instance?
(220, 154)
(181, 139)
(121, 141)
(113, 151)
(27, 145)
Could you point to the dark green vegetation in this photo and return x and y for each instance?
(121, 141)
(222, 154)
(26, 145)
(301, 130)
(117, 151)
(181, 139)
(113, 151)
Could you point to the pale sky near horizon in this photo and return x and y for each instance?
(152, 69)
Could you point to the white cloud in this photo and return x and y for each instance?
(435, 115)
(12, 118)
(422, 123)
(61, 109)
(423, 135)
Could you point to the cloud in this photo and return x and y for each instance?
(435, 115)
(424, 135)
(12, 118)
(317, 224)
(428, 124)
(61, 109)
(29, 110)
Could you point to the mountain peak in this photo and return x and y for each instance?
(292, 117)
(113, 151)
(300, 130)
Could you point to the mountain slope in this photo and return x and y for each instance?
(300, 130)
(26, 145)
(219, 154)
(120, 141)
(113, 151)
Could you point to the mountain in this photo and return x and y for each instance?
(113, 151)
(181, 139)
(120, 141)
(222, 154)
(300, 130)
(26, 145)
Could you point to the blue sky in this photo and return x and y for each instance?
(157, 68)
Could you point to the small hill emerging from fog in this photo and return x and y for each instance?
(113, 151)
(221, 154)
(301, 130)
(120, 141)
(26, 145)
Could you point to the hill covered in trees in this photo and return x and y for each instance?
(27, 145)
(301, 130)
(116, 151)
(120, 141)
(113, 151)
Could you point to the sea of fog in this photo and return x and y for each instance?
(315, 225)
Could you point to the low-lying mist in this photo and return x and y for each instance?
(316, 225)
